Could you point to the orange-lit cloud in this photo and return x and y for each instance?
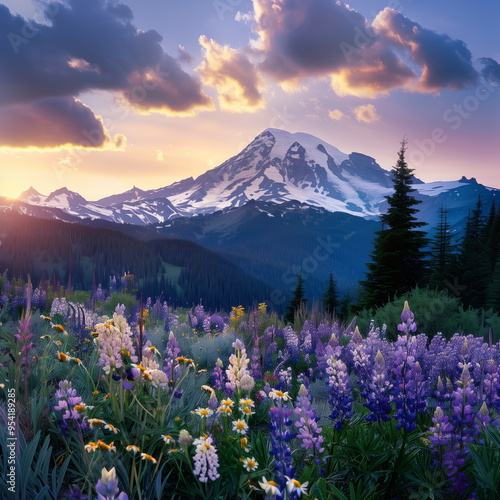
(54, 123)
(299, 39)
(366, 113)
(239, 86)
(336, 114)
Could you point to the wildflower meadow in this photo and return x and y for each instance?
(109, 400)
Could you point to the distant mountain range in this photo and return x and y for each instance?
(277, 167)
(268, 208)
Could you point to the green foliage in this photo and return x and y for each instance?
(37, 476)
(486, 465)
(435, 312)
(210, 347)
(116, 298)
(78, 297)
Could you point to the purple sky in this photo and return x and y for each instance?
(101, 95)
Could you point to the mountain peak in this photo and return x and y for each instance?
(64, 198)
(284, 140)
(30, 194)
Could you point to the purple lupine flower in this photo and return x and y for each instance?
(482, 418)
(217, 323)
(377, 392)
(464, 399)
(407, 317)
(157, 309)
(172, 351)
(99, 294)
(285, 379)
(171, 321)
(462, 419)
(291, 344)
(107, 487)
(23, 336)
(340, 391)
(218, 377)
(491, 384)
(255, 361)
(309, 431)
(206, 325)
(280, 435)
(67, 401)
(39, 298)
(410, 390)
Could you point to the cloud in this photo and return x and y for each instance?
(54, 123)
(238, 84)
(366, 113)
(336, 114)
(444, 63)
(90, 45)
(491, 70)
(184, 55)
(299, 39)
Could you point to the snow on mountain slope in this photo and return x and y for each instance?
(140, 212)
(277, 167)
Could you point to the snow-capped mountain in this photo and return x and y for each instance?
(75, 207)
(278, 167)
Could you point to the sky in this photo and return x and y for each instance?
(100, 95)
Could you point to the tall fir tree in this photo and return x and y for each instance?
(330, 298)
(493, 292)
(492, 231)
(296, 301)
(399, 255)
(442, 254)
(473, 270)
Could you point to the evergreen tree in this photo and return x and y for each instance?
(296, 301)
(493, 293)
(330, 298)
(442, 260)
(399, 256)
(493, 235)
(473, 269)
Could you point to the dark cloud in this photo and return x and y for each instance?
(167, 88)
(184, 55)
(444, 62)
(53, 123)
(491, 70)
(304, 38)
(90, 44)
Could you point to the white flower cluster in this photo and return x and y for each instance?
(206, 461)
(159, 379)
(237, 373)
(114, 337)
